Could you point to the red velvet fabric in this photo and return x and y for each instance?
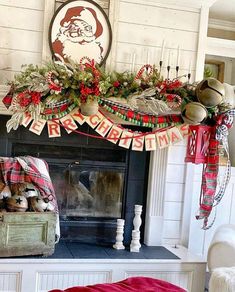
(134, 284)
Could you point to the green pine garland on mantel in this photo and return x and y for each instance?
(51, 91)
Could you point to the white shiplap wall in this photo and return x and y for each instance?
(21, 26)
(142, 27)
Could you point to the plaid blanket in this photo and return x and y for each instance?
(27, 169)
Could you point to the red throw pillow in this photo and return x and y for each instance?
(134, 284)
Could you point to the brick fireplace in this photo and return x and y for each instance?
(95, 181)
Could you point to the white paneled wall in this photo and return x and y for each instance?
(182, 279)
(50, 280)
(10, 281)
(21, 26)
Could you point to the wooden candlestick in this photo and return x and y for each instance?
(119, 234)
(135, 242)
(137, 219)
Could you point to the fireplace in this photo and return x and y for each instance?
(95, 181)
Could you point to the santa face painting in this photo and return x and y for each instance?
(79, 33)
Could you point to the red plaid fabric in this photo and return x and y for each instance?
(29, 169)
(209, 182)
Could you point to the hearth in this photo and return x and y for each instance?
(95, 181)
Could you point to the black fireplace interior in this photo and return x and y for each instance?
(95, 181)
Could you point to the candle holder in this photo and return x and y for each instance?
(137, 219)
(177, 68)
(119, 234)
(168, 71)
(189, 77)
(147, 68)
(135, 242)
(160, 64)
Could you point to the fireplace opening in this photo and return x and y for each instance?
(91, 190)
(91, 196)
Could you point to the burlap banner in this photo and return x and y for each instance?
(116, 134)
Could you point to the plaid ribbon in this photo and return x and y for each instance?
(166, 120)
(209, 182)
(27, 169)
(7, 100)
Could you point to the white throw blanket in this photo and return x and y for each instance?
(222, 280)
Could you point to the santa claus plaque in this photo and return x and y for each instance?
(80, 28)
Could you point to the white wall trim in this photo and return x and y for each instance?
(221, 24)
(155, 197)
(183, 4)
(220, 47)
(186, 215)
(201, 50)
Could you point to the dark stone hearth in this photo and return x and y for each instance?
(68, 250)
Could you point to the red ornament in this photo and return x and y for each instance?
(145, 119)
(36, 97)
(130, 114)
(198, 143)
(116, 83)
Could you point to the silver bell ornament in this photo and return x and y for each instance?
(210, 92)
(194, 113)
(229, 96)
(37, 204)
(17, 203)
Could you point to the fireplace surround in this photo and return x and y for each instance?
(95, 181)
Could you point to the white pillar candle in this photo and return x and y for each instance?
(189, 67)
(169, 58)
(133, 63)
(147, 57)
(178, 56)
(162, 50)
